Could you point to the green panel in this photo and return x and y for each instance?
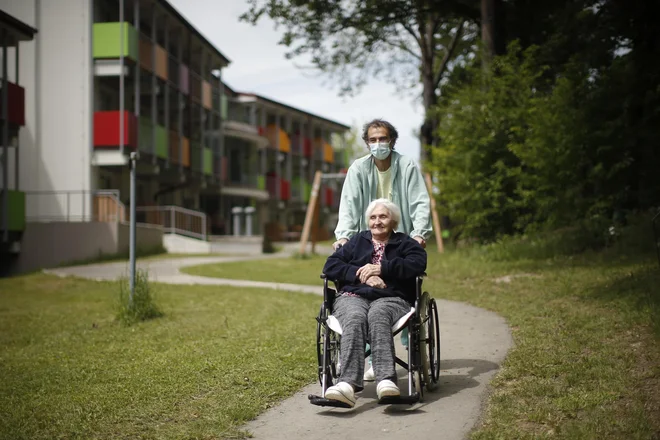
(16, 205)
(224, 105)
(106, 41)
(195, 156)
(208, 161)
(261, 182)
(144, 134)
(161, 142)
(308, 191)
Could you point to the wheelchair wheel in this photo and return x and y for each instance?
(430, 342)
(331, 354)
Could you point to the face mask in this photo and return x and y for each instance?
(380, 150)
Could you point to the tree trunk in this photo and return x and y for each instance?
(427, 131)
(488, 30)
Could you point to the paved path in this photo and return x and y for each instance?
(474, 344)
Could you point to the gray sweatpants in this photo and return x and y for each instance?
(361, 321)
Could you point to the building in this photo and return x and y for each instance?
(104, 78)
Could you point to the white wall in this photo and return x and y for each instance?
(55, 72)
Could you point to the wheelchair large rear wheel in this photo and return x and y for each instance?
(331, 354)
(430, 342)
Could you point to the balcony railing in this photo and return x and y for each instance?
(174, 220)
(16, 101)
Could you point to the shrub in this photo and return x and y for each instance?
(142, 306)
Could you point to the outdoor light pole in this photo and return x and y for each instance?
(131, 245)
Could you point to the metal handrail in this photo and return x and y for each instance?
(64, 208)
(176, 220)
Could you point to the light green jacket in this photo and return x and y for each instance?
(408, 193)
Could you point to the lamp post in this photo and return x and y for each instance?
(131, 245)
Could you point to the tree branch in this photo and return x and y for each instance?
(448, 54)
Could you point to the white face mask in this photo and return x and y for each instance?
(380, 150)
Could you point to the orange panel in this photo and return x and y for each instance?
(146, 54)
(206, 94)
(185, 147)
(328, 153)
(161, 62)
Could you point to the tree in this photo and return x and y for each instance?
(352, 41)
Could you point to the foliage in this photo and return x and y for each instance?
(142, 306)
(528, 145)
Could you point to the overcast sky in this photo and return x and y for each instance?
(258, 65)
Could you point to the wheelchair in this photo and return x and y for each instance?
(423, 352)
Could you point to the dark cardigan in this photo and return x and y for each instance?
(404, 259)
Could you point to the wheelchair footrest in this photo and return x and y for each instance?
(400, 400)
(322, 401)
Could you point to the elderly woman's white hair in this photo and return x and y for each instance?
(395, 212)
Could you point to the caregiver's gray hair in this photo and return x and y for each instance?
(395, 212)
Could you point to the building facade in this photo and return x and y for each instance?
(104, 78)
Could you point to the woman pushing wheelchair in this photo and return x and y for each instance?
(376, 273)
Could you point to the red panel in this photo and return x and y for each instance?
(106, 129)
(285, 190)
(307, 147)
(261, 130)
(328, 197)
(16, 95)
(16, 104)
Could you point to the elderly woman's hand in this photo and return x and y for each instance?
(367, 271)
(376, 281)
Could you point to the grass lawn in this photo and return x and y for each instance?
(69, 370)
(586, 326)
(285, 270)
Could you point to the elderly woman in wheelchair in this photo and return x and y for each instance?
(378, 279)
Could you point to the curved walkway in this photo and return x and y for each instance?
(474, 344)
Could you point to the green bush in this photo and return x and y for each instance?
(526, 148)
(142, 306)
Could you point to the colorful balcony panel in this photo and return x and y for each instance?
(208, 161)
(206, 95)
(328, 197)
(161, 142)
(285, 190)
(224, 107)
(106, 41)
(328, 153)
(278, 138)
(16, 98)
(146, 54)
(107, 133)
(184, 79)
(174, 147)
(16, 212)
(307, 147)
(185, 151)
(261, 182)
(145, 133)
(160, 62)
(307, 191)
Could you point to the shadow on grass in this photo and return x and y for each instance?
(640, 288)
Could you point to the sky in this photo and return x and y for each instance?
(258, 65)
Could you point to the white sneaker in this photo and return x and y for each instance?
(369, 375)
(387, 388)
(342, 392)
